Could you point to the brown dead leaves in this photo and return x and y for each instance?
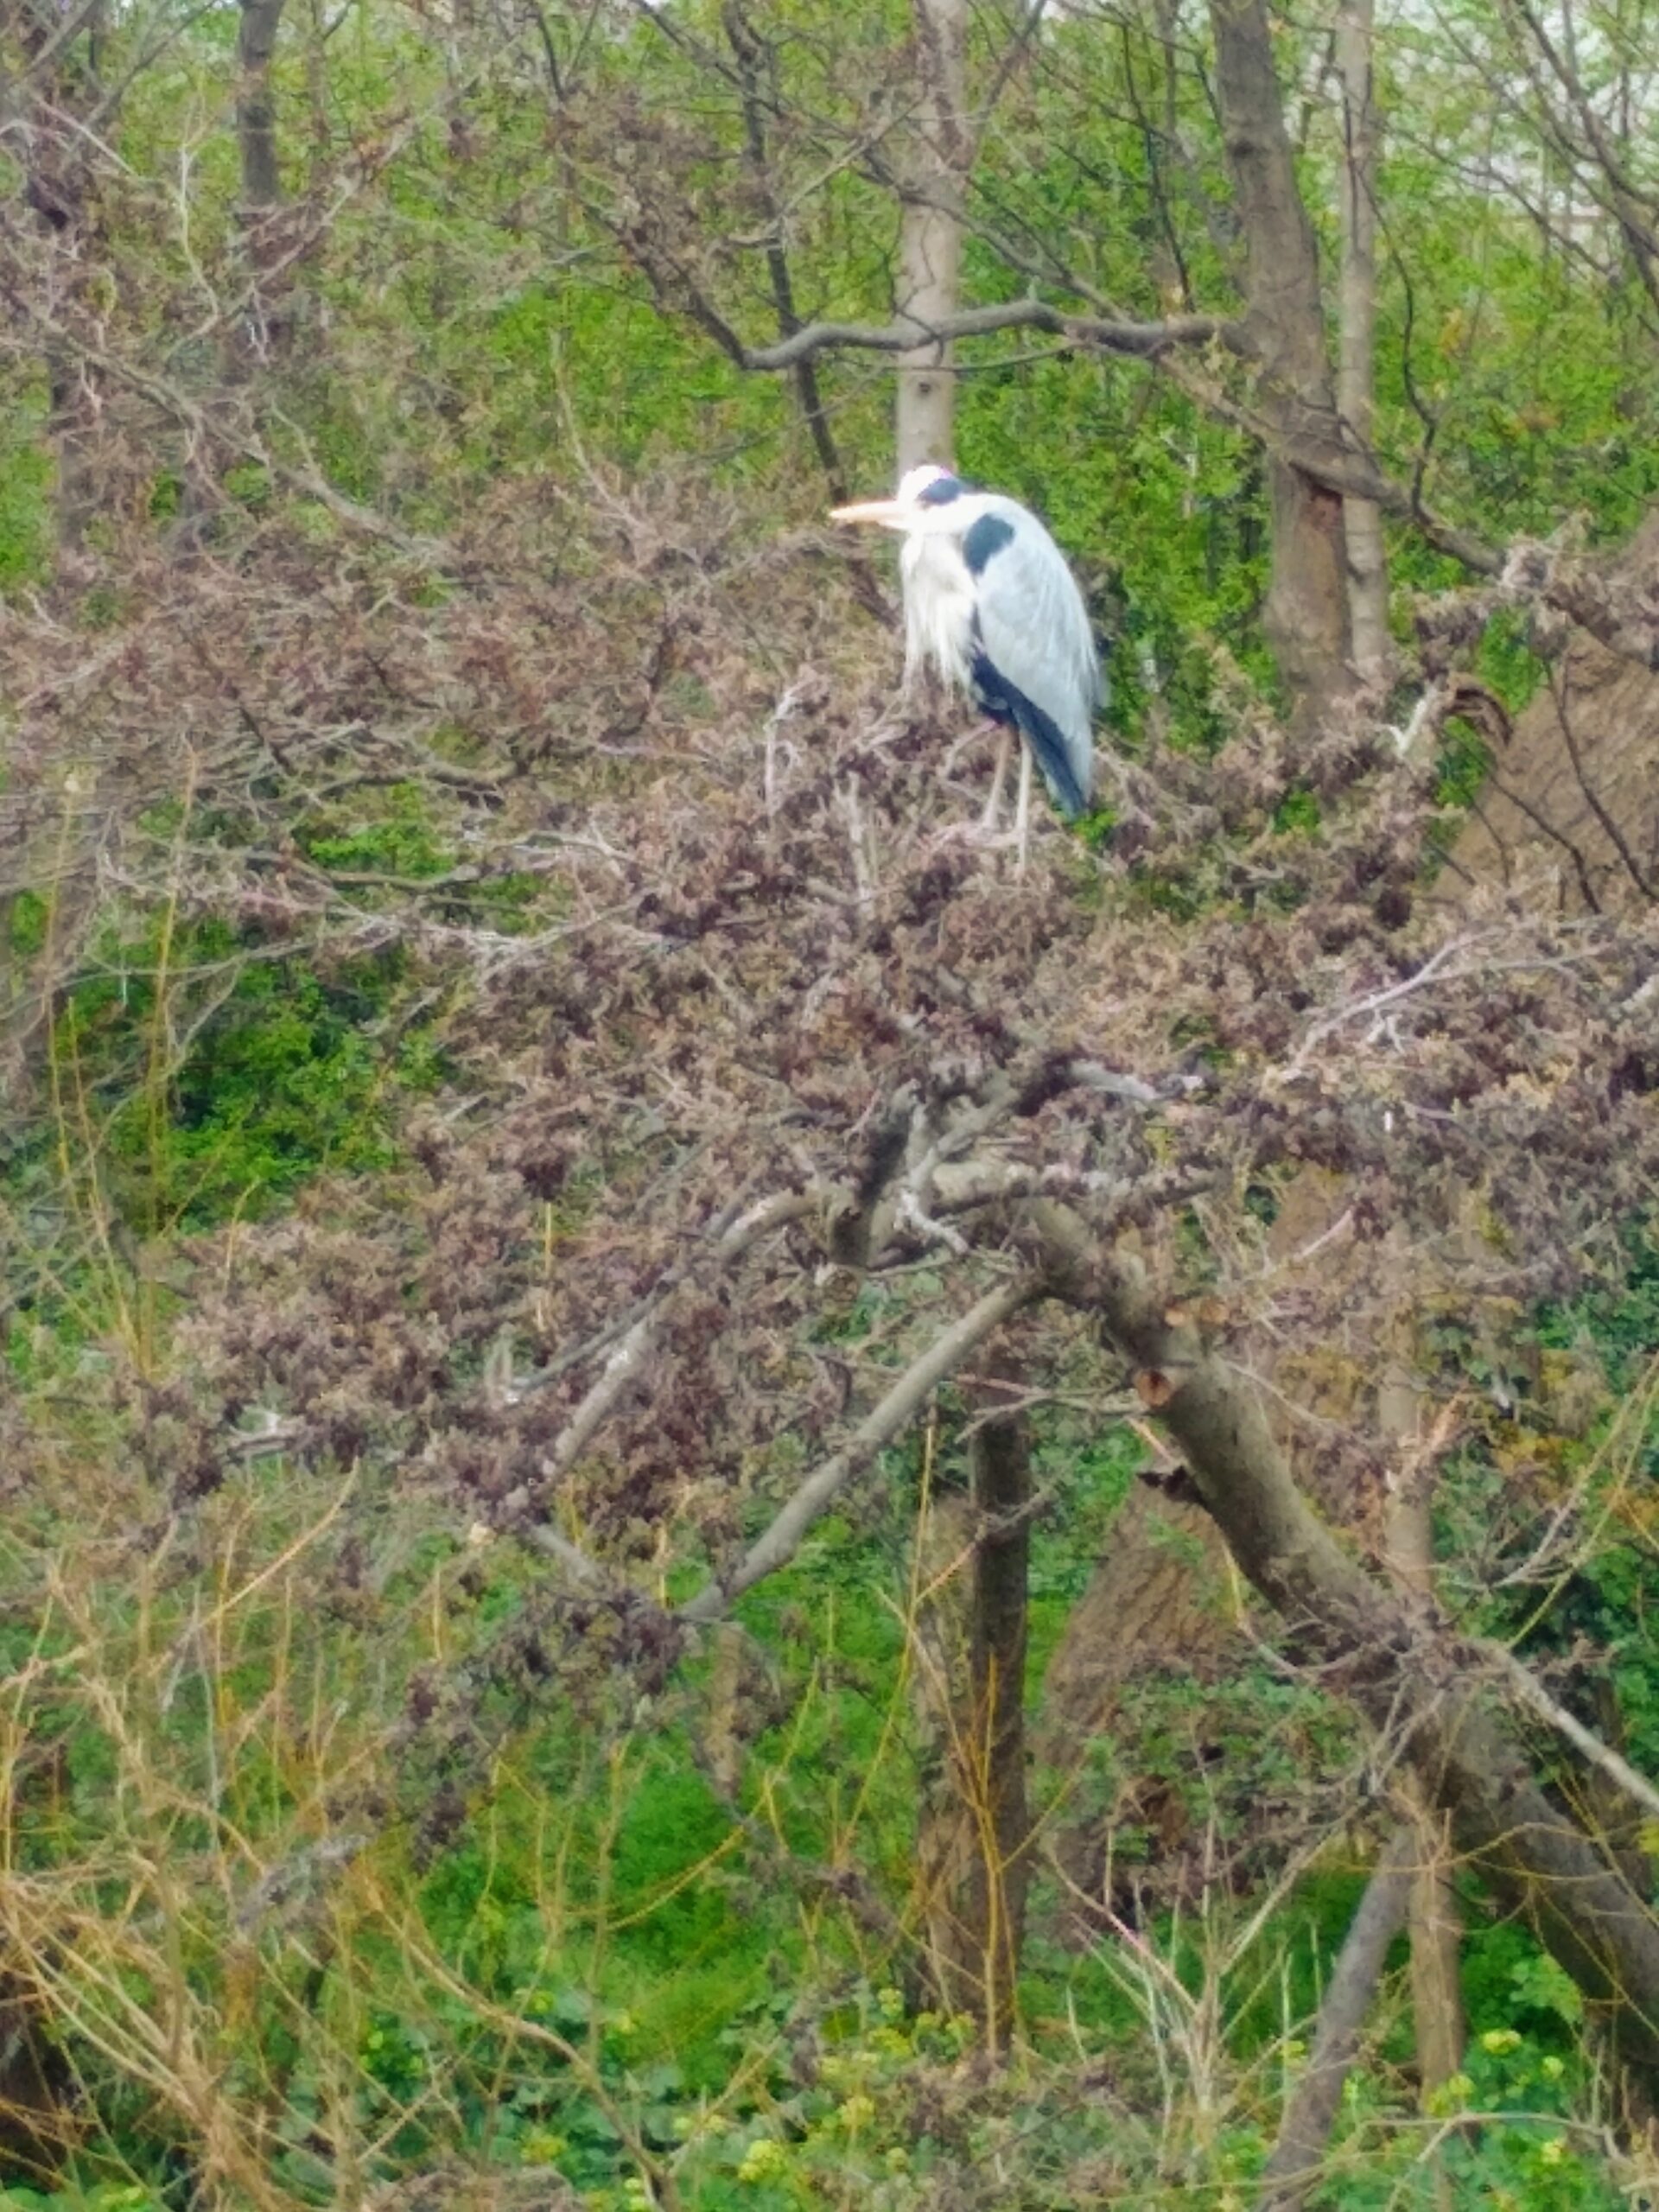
(752, 937)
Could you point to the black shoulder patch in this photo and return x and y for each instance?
(940, 492)
(987, 538)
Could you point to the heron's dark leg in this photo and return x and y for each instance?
(993, 804)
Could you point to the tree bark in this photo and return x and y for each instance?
(1000, 1876)
(978, 1851)
(1307, 612)
(947, 1827)
(261, 192)
(57, 185)
(930, 239)
(255, 112)
(1435, 1922)
(1366, 559)
(1400, 1668)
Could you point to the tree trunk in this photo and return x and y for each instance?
(71, 414)
(267, 325)
(57, 185)
(1368, 574)
(930, 239)
(1000, 1875)
(1306, 613)
(975, 1850)
(255, 113)
(1435, 1922)
(722, 1737)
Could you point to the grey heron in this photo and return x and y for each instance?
(991, 605)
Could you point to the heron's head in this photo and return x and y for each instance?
(929, 502)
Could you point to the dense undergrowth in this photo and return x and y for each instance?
(311, 1867)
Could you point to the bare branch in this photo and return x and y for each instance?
(1531, 1692)
(1525, 569)
(1140, 340)
(1310, 2109)
(884, 1421)
(620, 1369)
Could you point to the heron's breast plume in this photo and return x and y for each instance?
(939, 609)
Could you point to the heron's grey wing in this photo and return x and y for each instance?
(1033, 630)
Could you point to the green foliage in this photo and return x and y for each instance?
(402, 840)
(1618, 1317)
(203, 1070)
(283, 1074)
(1087, 1472)
(1602, 1596)
(27, 918)
(25, 480)
(1515, 2144)
(1297, 814)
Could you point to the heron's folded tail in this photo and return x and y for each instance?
(1008, 703)
(1042, 733)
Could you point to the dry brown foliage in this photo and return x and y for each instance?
(762, 969)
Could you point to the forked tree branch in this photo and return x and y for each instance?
(1425, 1689)
(880, 1427)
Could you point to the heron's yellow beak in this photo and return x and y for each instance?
(890, 514)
